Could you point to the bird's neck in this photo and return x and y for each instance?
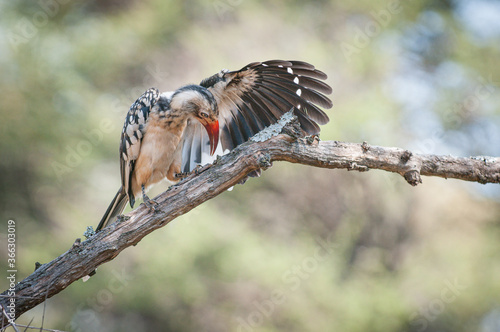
(169, 115)
(167, 111)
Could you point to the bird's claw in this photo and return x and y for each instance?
(150, 204)
(182, 175)
(122, 217)
(200, 169)
(196, 171)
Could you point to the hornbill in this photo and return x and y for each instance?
(163, 134)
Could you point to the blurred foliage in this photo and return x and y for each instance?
(298, 249)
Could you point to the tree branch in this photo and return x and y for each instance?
(259, 153)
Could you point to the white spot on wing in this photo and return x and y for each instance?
(131, 129)
(290, 70)
(281, 66)
(264, 65)
(296, 80)
(298, 92)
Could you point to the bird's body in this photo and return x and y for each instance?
(160, 155)
(163, 135)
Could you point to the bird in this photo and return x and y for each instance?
(169, 134)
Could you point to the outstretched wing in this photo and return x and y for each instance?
(255, 97)
(132, 134)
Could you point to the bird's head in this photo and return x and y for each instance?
(198, 103)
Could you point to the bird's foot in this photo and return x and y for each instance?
(182, 175)
(122, 218)
(200, 169)
(196, 171)
(150, 204)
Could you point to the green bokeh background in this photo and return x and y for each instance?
(299, 249)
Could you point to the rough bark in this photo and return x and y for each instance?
(83, 258)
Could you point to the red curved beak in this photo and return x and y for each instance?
(213, 134)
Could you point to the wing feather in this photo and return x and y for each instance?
(257, 95)
(293, 100)
(132, 134)
(305, 93)
(187, 146)
(302, 79)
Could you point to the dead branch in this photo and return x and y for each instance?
(84, 257)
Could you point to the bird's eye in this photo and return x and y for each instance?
(203, 115)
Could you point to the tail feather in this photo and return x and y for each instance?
(114, 209)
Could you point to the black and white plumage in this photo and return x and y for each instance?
(256, 96)
(168, 133)
(133, 132)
